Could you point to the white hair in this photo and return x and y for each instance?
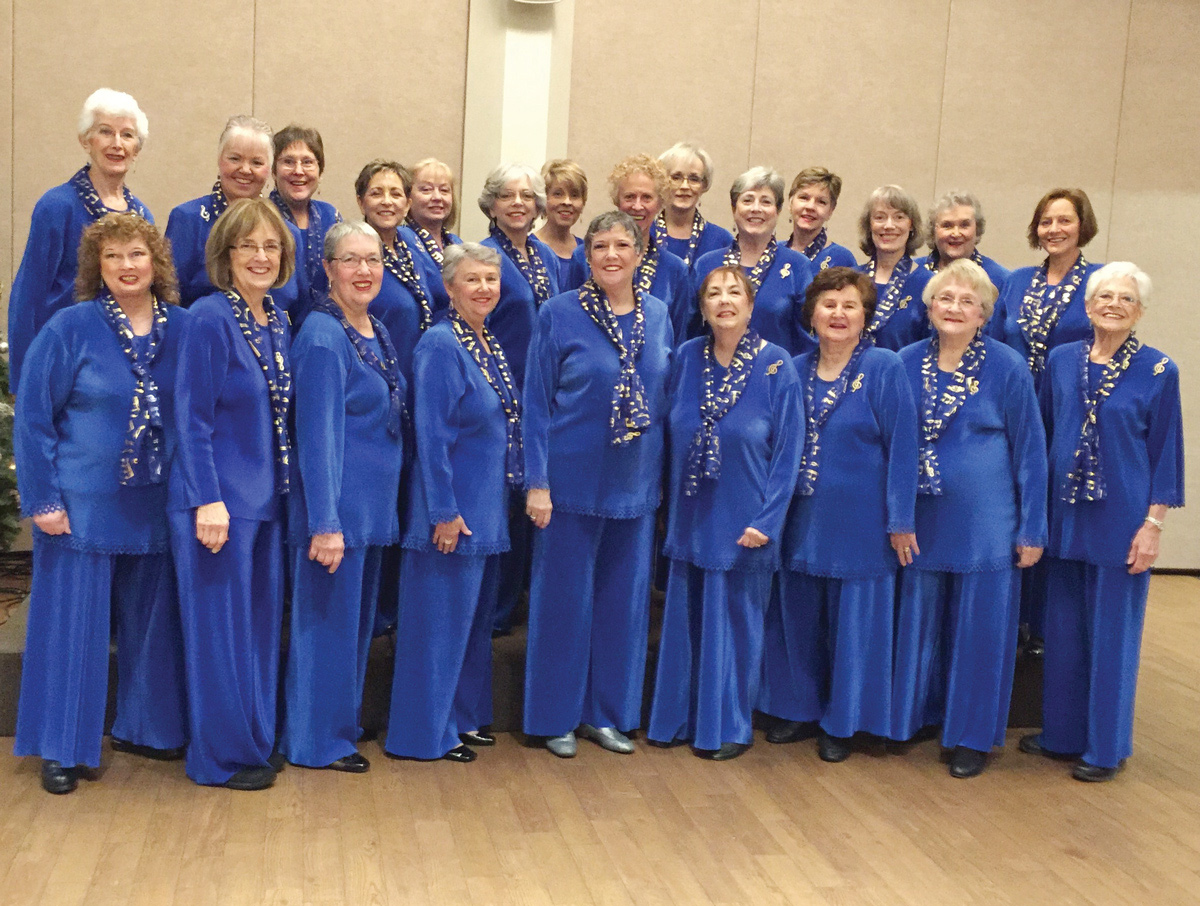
(502, 176)
(105, 101)
(1120, 270)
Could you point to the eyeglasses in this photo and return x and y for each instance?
(270, 249)
(692, 179)
(947, 300)
(353, 262)
(1108, 297)
(304, 163)
(524, 195)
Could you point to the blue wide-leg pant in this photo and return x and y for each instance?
(795, 674)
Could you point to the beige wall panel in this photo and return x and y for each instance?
(858, 92)
(1156, 215)
(1029, 107)
(6, 193)
(648, 74)
(377, 80)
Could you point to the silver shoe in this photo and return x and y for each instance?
(607, 738)
(563, 746)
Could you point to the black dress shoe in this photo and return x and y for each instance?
(132, 748)
(967, 762)
(833, 749)
(1035, 647)
(58, 780)
(792, 731)
(1090, 773)
(461, 754)
(727, 752)
(1031, 744)
(276, 762)
(666, 744)
(350, 764)
(477, 738)
(249, 779)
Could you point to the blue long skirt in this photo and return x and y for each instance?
(589, 612)
(232, 607)
(442, 684)
(795, 674)
(75, 600)
(1094, 620)
(710, 656)
(331, 628)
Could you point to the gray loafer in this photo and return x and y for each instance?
(563, 746)
(607, 738)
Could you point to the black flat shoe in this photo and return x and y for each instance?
(1035, 647)
(1031, 744)
(727, 752)
(670, 744)
(787, 731)
(833, 749)
(132, 748)
(276, 762)
(966, 762)
(1090, 773)
(461, 754)
(58, 780)
(477, 738)
(350, 764)
(250, 779)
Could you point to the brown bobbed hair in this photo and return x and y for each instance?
(239, 221)
(833, 279)
(122, 228)
(292, 134)
(1088, 227)
(363, 181)
(736, 272)
(818, 176)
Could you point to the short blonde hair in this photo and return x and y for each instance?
(432, 163)
(963, 272)
(631, 166)
(568, 172)
(239, 221)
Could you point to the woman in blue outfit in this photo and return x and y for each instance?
(1113, 416)
(112, 130)
(779, 275)
(638, 186)
(226, 497)
(566, 195)
(828, 651)
(299, 164)
(595, 406)
(433, 210)
(812, 199)
(736, 435)
(468, 425)
(94, 437)
(981, 516)
(350, 396)
(889, 231)
(244, 156)
(956, 225)
(680, 228)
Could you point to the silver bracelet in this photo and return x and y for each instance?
(1157, 523)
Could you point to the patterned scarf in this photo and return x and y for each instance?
(142, 457)
(276, 369)
(758, 273)
(704, 454)
(938, 410)
(1085, 481)
(428, 242)
(815, 247)
(630, 411)
(532, 268)
(889, 302)
(400, 263)
(496, 372)
(1042, 307)
(934, 261)
(658, 232)
(817, 413)
(388, 369)
(82, 184)
(647, 270)
(217, 204)
(314, 237)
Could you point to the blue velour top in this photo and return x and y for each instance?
(70, 426)
(992, 462)
(778, 303)
(188, 227)
(223, 410)
(833, 255)
(672, 283)
(45, 281)
(431, 270)
(1141, 452)
(316, 281)
(909, 321)
(349, 466)
(996, 272)
(867, 482)
(461, 442)
(761, 438)
(713, 238)
(568, 407)
(511, 321)
(399, 311)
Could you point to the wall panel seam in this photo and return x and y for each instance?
(937, 155)
(754, 87)
(1112, 189)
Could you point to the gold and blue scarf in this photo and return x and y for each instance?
(1085, 481)
(704, 454)
(388, 368)
(1042, 307)
(938, 410)
(817, 412)
(630, 411)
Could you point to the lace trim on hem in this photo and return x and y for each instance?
(350, 541)
(798, 566)
(634, 512)
(472, 549)
(42, 509)
(75, 543)
(987, 566)
(727, 565)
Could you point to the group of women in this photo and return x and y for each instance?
(856, 463)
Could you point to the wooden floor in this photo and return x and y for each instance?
(520, 826)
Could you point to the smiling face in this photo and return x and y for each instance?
(687, 185)
(755, 213)
(811, 208)
(355, 273)
(127, 269)
(1116, 306)
(725, 304)
(112, 145)
(890, 228)
(613, 258)
(475, 290)
(839, 315)
(254, 261)
(244, 164)
(1058, 227)
(637, 196)
(384, 204)
(956, 312)
(955, 233)
(515, 206)
(432, 197)
(297, 173)
(564, 204)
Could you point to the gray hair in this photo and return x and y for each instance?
(953, 199)
(963, 272)
(502, 176)
(682, 152)
(344, 230)
(245, 123)
(894, 197)
(104, 101)
(758, 178)
(1120, 270)
(454, 255)
(602, 223)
